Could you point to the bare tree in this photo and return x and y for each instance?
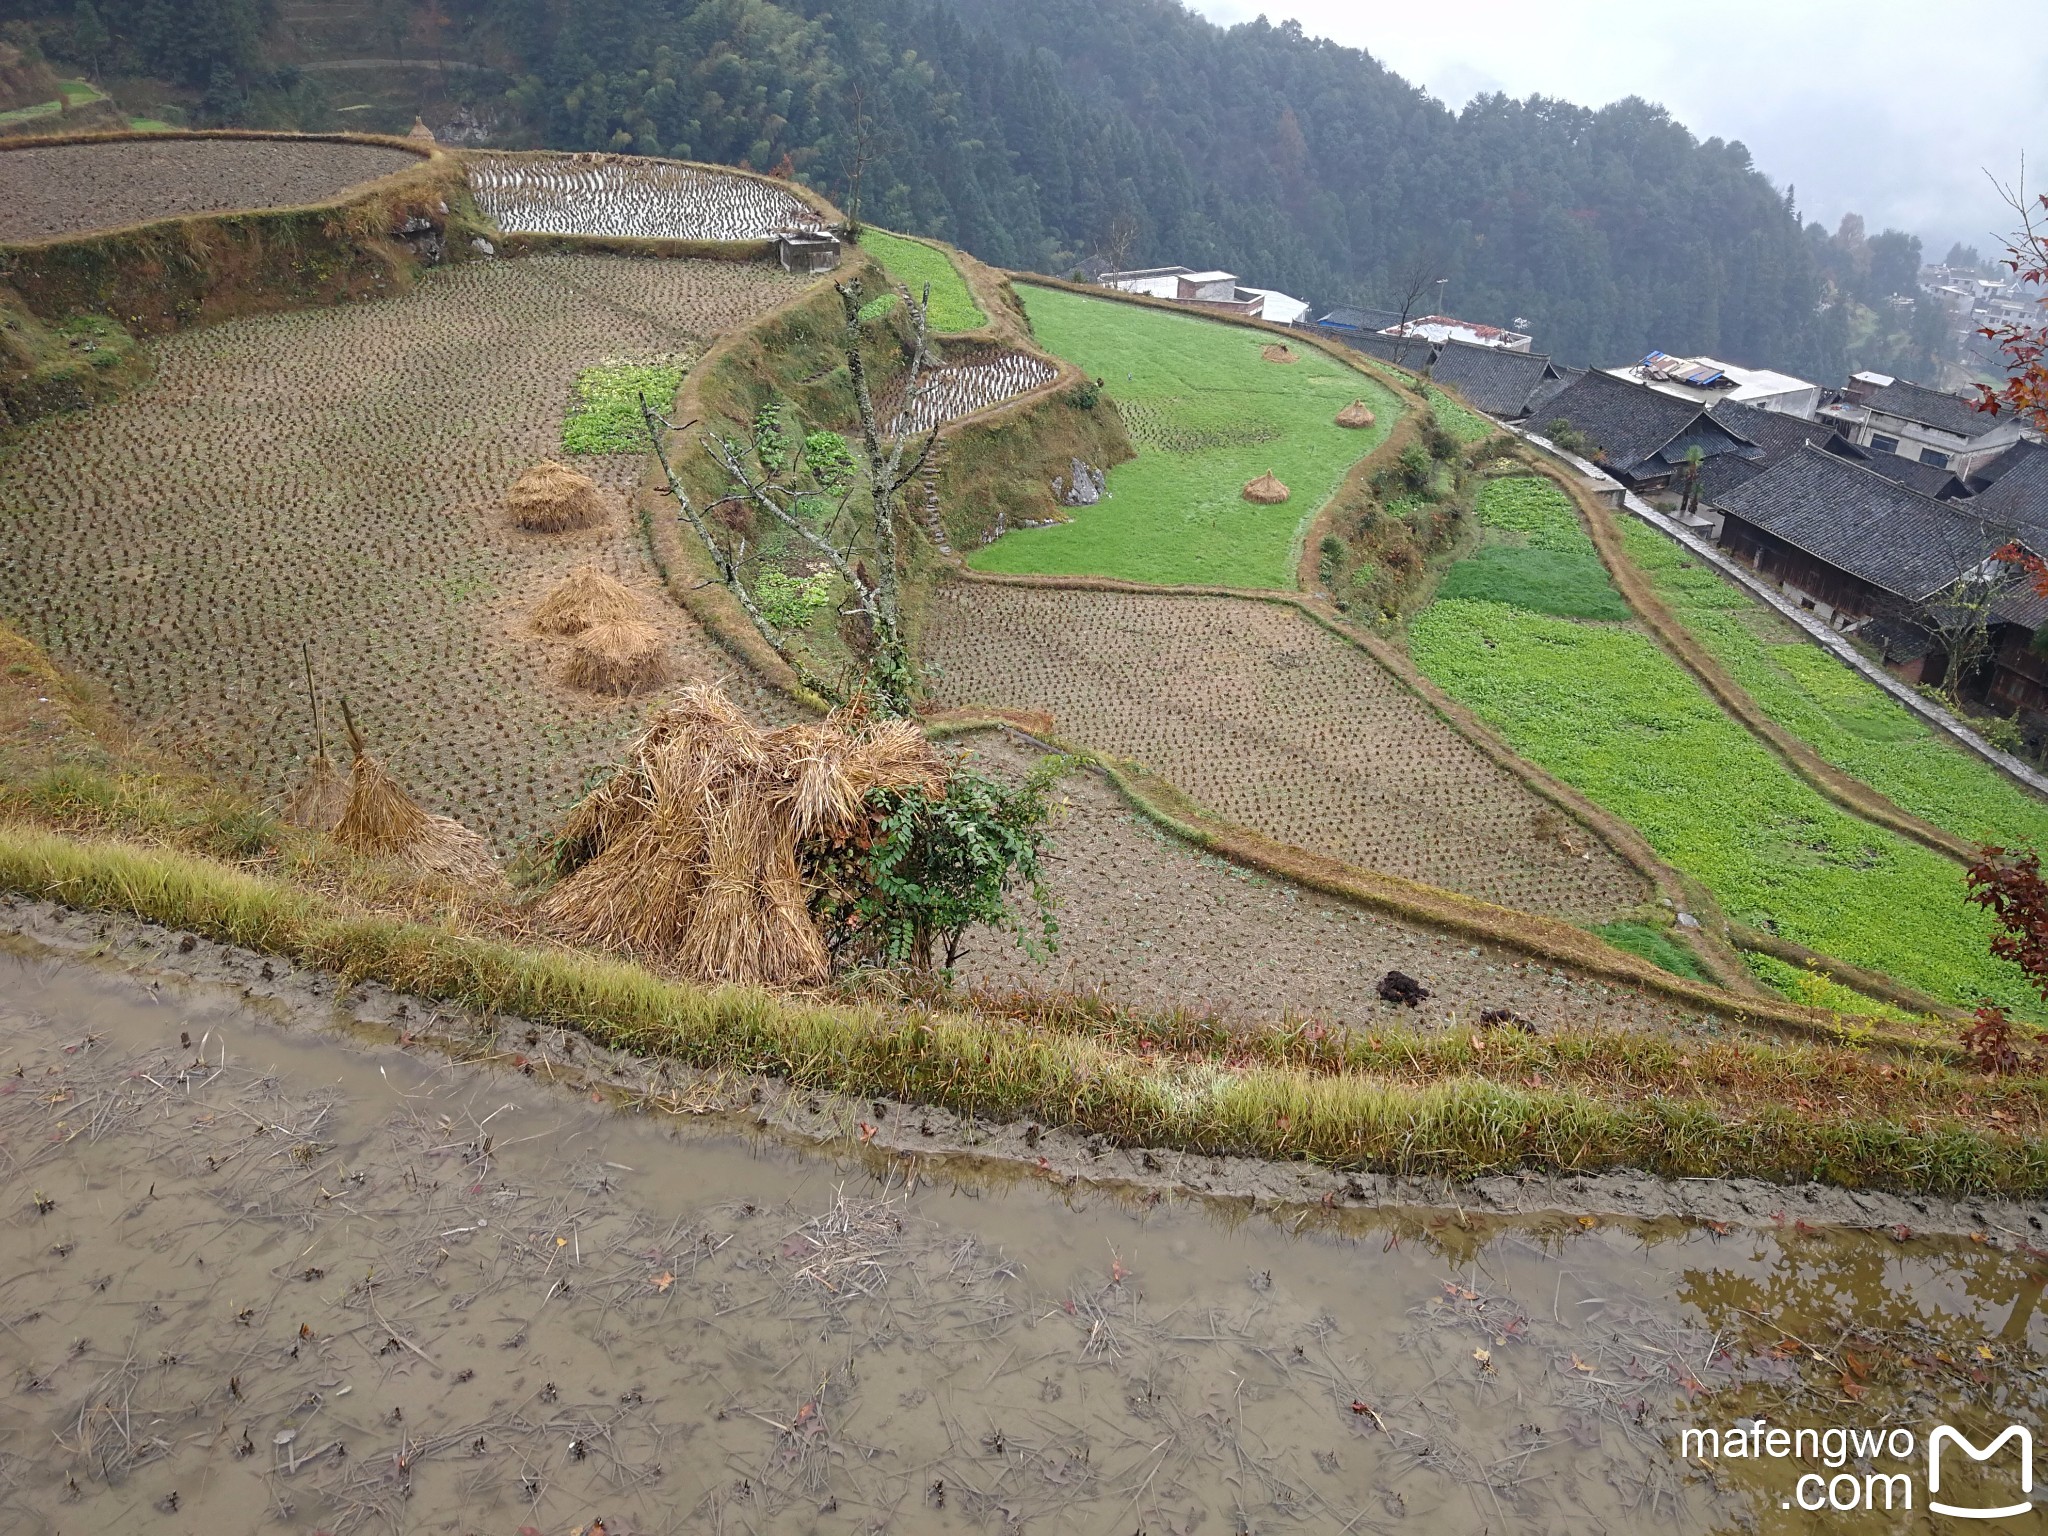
(1424, 269)
(858, 536)
(1120, 240)
(867, 146)
(1958, 618)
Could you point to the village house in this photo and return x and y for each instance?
(1860, 551)
(1705, 380)
(1900, 417)
(1208, 290)
(1438, 328)
(1638, 435)
(1504, 384)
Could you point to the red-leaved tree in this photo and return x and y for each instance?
(2007, 883)
(2025, 345)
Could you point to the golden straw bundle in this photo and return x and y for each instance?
(584, 597)
(692, 852)
(553, 498)
(381, 820)
(618, 657)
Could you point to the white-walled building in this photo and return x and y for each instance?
(1915, 422)
(1706, 380)
(1441, 328)
(1210, 290)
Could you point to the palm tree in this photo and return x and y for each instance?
(1695, 456)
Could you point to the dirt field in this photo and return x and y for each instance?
(1154, 923)
(338, 476)
(74, 188)
(265, 1275)
(1266, 719)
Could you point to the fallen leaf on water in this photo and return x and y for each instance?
(1581, 1365)
(1484, 1357)
(1983, 1351)
(1589, 1221)
(663, 1281)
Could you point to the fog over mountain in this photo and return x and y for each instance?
(1889, 108)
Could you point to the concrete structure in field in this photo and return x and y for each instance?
(1209, 290)
(1706, 380)
(1439, 328)
(1900, 417)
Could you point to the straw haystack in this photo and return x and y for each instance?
(318, 799)
(620, 657)
(1356, 414)
(382, 821)
(421, 131)
(693, 852)
(1276, 352)
(585, 597)
(553, 498)
(1267, 490)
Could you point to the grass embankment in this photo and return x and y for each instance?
(1457, 418)
(1842, 715)
(1206, 413)
(913, 264)
(1604, 708)
(1388, 1100)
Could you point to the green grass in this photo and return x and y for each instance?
(914, 264)
(1846, 718)
(1206, 414)
(1458, 419)
(1306, 1093)
(606, 417)
(1605, 709)
(1542, 580)
(151, 125)
(1821, 991)
(1657, 947)
(1535, 556)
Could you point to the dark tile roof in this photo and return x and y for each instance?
(1634, 425)
(1352, 317)
(1875, 529)
(1927, 479)
(1409, 352)
(1930, 407)
(1492, 379)
(2020, 497)
(1995, 468)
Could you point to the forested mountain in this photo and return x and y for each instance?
(1045, 133)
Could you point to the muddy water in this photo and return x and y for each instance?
(258, 1274)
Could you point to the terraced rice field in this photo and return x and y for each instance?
(337, 476)
(1207, 413)
(1266, 718)
(1604, 708)
(64, 189)
(1154, 923)
(632, 198)
(973, 384)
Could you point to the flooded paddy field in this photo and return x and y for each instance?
(267, 1267)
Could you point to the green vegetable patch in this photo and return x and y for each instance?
(1534, 555)
(1606, 710)
(1207, 413)
(606, 416)
(1842, 715)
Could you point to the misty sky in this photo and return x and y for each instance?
(1892, 108)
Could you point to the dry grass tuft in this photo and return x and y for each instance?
(1267, 490)
(553, 498)
(1276, 352)
(317, 801)
(619, 657)
(691, 853)
(1356, 414)
(585, 597)
(381, 820)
